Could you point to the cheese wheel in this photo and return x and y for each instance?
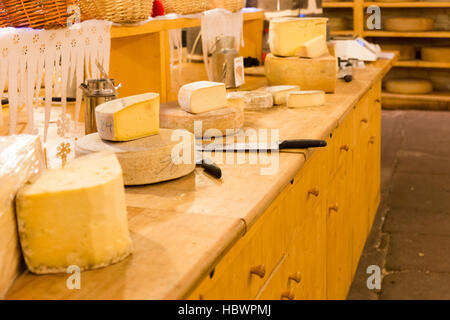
(202, 96)
(309, 74)
(254, 100)
(307, 98)
(286, 35)
(409, 86)
(406, 52)
(279, 93)
(147, 160)
(338, 23)
(74, 216)
(396, 0)
(409, 24)
(313, 48)
(128, 118)
(436, 54)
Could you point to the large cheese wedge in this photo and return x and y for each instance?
(202, 96)
(147, 160)
(286, 35)
(436, 54)
(74, 216)
(308, 74)
(128, 118)
(409, 24)
(21, 158)
(224, 120)
(406, 52)
(313, 48)
(306, 98)
(409, 86)
(279, 93)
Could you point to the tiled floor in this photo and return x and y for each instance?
(410, 238)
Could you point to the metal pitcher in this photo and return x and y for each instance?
(223, 61)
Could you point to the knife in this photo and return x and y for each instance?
(209, 166)
(255, 147)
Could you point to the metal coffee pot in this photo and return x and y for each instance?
(222, 61)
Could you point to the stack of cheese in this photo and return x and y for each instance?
(299, 54)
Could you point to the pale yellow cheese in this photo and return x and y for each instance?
(313, 48)
(409, 24)
(406, 52)
(128, 118)
(74, 216)
(279, 93)
(202, 96)
(286, 35)
(254, 100)
(436, 54)
(409, 86)
(309, 74)
(307, 98)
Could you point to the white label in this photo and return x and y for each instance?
(239, 71)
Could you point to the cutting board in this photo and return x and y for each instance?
(231, 117)
(146, 160)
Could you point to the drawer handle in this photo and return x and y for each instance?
(314, 191)
(372, 139)
(345, 147)
(288, 294)
(297, 277)
(334, 207)
(364, 120)
(260, 270)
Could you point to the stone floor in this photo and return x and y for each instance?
(410, 237)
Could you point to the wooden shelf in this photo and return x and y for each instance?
(341, 32)
(393, 34)
(422, 64)
(416, 4)
(347, 4)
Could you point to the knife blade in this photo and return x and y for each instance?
(258, 147)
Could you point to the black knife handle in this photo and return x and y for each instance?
(302, 144)
(211, 168)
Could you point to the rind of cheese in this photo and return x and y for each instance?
(128, 118)
(254, 100)
(436, 54)
(74, 216)
(279, 93)
(313, 48)
(307, 98)
(229, 119)
(147, 160)
(409, 24)
(406, 52)
(286, 35)
(409, 86)
(202, 96)
(308, 74)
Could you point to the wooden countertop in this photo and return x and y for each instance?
(182, 227)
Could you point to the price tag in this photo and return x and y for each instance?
(239, 71)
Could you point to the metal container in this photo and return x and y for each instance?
(223, 61)
(96, 91)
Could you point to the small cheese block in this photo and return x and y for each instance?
(406, 52)
(128, 118)
(279, 93)
(202, 96)
(21, 158)
(409, 24)
(147, 160)
(409, 86)
(308, 74)
(436, 54)
(313, 48)
(307, 98)
(286, 35)
(226, 120)
(74, 216)
(255, 100)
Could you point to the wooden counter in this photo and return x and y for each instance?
(296, 234)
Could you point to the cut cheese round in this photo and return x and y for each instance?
(74, 216)
(224, 121)
(409, 24)
(406, 52)
(128, 118)
(302, 99)
(313, 48)
(409, 86)
(254, 100)
(202, 96)
(147, 160)
(436, 54)
(280, 93)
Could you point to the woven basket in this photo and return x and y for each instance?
(231, 5)
(46, 14)
(119, 11)
(184, 6)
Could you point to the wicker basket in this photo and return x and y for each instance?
(119, 11)
(184, 6)
(231, 5)
(46, 14)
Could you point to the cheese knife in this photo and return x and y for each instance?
(208, 165)
(258, 147)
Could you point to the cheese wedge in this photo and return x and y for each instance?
(436, 54)
(74, 216)
(279, 93)
(254, 100)
(286, 35)
(202, 96)
(409, 24)
(128, 118)
(313, 48)
(409, 86)
(302, 99)
(308, 74)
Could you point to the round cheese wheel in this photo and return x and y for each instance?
(406, 52)
(227, 120)
(146, 160)
(395, 0)
(409, 24)
(409, 86)
(436, 54)
(338, 23)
